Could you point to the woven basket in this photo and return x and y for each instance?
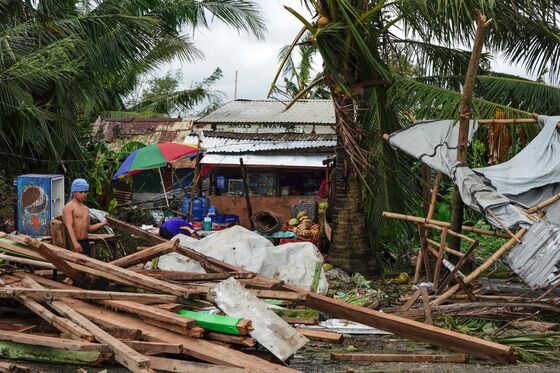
(266, 222)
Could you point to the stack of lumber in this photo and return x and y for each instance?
(136, 318)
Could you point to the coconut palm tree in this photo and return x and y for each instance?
(300, 79)
(356, 39)
(64, 61)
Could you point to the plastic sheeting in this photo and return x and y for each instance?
(527, 179)
(293, 262)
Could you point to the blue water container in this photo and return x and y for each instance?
(197, 211)
(205, 204)
(186, 204)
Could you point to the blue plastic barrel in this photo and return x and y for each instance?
(205, 204)
(197, 210)
(186, 204)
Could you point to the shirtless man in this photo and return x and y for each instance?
(76, 217)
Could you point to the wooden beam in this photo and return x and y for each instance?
(242, 340)
(193, 276)
(86, 294)
(322, 336)
(440, 256)
(147, 254)
(6, 367)
(195, 347)
(125, 355)
(426, 305)
(24, 261)
(42, 340)
(409, 328)
(412, 358)
(174, 365)
(154, 348)
(456, 269)
(149, 312)
(55, 259)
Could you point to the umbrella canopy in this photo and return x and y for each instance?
(155, 156)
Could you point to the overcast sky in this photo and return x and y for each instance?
(256, 61)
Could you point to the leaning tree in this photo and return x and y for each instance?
(359, 42)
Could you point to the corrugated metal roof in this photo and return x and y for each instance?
(537, 259)
(269, 111)
(289, 136)
(227, 145)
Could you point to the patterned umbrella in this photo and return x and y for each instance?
(155, 156)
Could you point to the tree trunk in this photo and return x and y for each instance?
(465, 116)
(349, 247)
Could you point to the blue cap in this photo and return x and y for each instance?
(78, 185)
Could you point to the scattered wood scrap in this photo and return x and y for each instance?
(450, 358)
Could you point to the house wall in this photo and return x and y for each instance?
(278, 205)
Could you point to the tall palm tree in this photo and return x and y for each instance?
(355, 39)
(300, 78)
(63, 61)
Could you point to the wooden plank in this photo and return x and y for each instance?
(85, 294)
(242, 340)
(440, 256)
(319, 335)
(6, 367)
(146, 311)
(278, 294)
(128, 276)
(55, 259)
(411, 301)
(413, 358)
(154, 348)
(123, 333)
(193, 276)
(410, 328)
(457, 267)
(195, 332)
(424, 248)
(25, 261)
(41, 340)
(426, 305)
(195, 347)
(125, 355)
(47, 354)
(301, 320)
(65, 326)
(58, 233)
(174, 365)
(147, 254)
(465, 288)
(170, 307)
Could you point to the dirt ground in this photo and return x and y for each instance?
(315, 357)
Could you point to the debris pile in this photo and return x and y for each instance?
(162, 320)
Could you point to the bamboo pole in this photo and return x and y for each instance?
(466, 228)
(474, 274)
(503, 225)
(544, 204)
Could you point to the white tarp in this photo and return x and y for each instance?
(530, 177)
(293, 262)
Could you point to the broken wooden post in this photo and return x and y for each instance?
(246, 193)
(464, 124)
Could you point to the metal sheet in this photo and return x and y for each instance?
(271, 331)
(229, 145)
(272, 111)
(273, 160)
(536, 260)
